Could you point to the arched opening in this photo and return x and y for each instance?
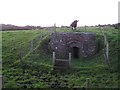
(75, 52)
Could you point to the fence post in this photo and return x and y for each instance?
(87, 83)
(54, 58)
(55, 27)
(100, 28)
(41, 36)
(31, 46)
(85, 27)
(107, 52)
(13, 45)
(70, 59)
(107, 48)
(105, 38)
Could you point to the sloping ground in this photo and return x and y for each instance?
(36, 70)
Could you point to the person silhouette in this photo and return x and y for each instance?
(74, 24)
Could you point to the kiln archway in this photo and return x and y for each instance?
(75, 52)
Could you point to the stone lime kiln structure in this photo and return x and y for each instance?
(77, 43)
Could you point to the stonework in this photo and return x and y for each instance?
(80, 44)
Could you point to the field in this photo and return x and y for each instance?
(35, 69)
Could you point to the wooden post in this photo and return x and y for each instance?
(21, 58)
(55, 27)
(100, 28)
(87, 84)
(40, 37)
(107, 48)
(107, 52)
(69, 59)
(105, 38)
(31, 46)
(85, 27)
(54, 58)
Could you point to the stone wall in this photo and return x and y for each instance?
(79, 44)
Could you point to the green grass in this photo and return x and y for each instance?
(36, 69)
(11, 41)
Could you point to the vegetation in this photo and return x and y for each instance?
(36, 70)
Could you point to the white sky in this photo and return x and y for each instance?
(61, 12)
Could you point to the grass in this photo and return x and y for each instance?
(36, 69)
(11, 41)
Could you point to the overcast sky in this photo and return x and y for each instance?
(61, 12)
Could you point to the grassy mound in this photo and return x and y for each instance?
(36, 70)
